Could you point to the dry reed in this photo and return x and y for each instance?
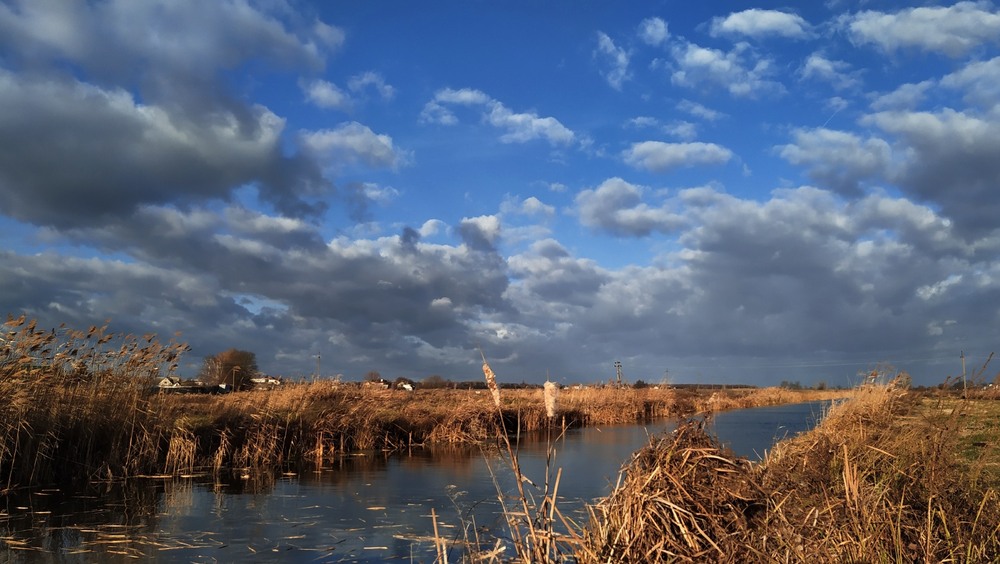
(78, 406)
(872, 483)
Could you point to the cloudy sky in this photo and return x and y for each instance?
(712, 191)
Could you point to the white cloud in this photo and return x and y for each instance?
(616, 207)
(682, 130)
(697, 66)
(643, 121)
(518, 127)
(360, 82)
(937, 289)
(480, 233)
(180, 38)
(615, 58)
(331, 36)
(979, 81)
(699, 110)
(653, 31)
(904, 97)
(529, 206)
(381, 194)
(837, 73)
(327, 95)
(353, 142)
(657, 156)
(432, 227)
(761, 23)
(951, 30)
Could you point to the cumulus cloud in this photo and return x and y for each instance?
(550, 275)
(480, 233)
(518, 127)
(950, 159)
(616, 207)
(530, 206)
(653, 31)
(697, 66)
(178, 133)
(837, 73)
(838, 160)
(950, 30)
(172, 157)
(761, 23)
(978, 80)
(904, 97)
(327, 95)
(176, 48)
(657, 156)
(353, 142)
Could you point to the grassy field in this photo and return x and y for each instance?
(975, 424)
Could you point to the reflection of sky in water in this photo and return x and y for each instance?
(752, 432)
(363, 508)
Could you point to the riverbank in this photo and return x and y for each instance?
(81, 406)
(886, 477)
(113, 428)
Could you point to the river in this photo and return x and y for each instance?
(370, 507)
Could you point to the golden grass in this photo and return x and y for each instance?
(76, 406)
(876, 481)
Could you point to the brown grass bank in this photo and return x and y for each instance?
(77, 406)
(113, 427)
(881, 479)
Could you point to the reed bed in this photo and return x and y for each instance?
(877, 481)
(77, 406)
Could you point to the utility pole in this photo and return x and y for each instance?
(316, 375)
(964, 386)
(618, 372)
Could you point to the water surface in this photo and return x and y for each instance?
(371, 507)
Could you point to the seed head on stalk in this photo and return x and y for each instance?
(551, 392)
(491, 381)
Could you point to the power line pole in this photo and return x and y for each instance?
(964, 386)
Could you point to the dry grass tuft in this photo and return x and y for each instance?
(684, 496)
(877, 481)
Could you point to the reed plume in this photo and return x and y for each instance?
(491, 381)
(551, 393)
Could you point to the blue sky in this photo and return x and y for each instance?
(716, 192)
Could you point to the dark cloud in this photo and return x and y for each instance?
(839, 160)
(112, 105)
(480, 233)
(55, 172)
(951, 160)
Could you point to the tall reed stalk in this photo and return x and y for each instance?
(532, 524)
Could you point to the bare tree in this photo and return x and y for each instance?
(234, 368)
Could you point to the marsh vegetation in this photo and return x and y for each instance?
(889, 475)
(78, 406)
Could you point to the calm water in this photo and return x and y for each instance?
(372, 507)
